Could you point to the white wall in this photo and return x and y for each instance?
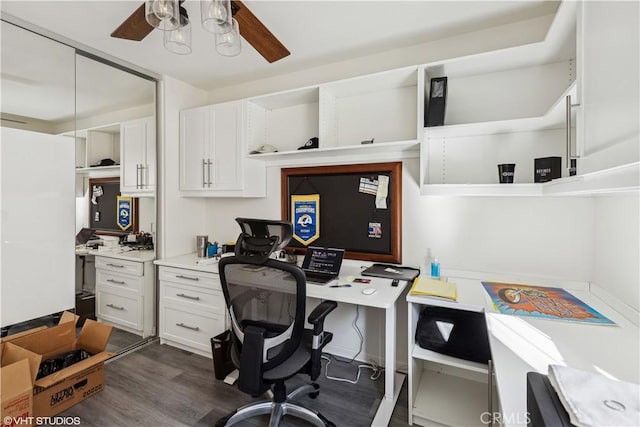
(617, 247)
(180, 219)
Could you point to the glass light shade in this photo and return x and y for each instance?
(228, 44)
(179, 40)
(216, 16)
(162, 14)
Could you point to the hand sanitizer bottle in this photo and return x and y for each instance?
(435, 268)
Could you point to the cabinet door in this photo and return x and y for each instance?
(138, 147)
(609, 45)
(195, 137)
(225, 150)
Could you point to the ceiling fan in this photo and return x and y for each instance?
(136, 28)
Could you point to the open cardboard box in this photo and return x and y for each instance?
(63, 389)
(18, 370)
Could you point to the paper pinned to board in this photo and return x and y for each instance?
(383, 191)
(368, 186)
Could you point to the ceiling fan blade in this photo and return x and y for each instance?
(257, 35)
(135, 27)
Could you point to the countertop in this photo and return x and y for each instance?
(118, 253)
(190, 262)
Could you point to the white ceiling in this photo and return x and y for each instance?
(316, 32)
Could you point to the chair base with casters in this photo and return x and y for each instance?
(279, 409)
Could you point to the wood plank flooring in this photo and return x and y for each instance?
(159, 385)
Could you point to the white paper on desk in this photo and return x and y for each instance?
(593, 400)
(383, 191)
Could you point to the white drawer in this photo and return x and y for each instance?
(193, 297)
(119, 265)
(120, 309)
(120, 281)
(190, 277)
(192, 329)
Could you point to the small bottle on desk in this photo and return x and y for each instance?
(435, 268)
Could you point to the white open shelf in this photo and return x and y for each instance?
(449, 399)
(428, 355)
(397, 146)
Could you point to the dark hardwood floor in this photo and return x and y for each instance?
(158, 385)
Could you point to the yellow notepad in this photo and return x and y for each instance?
(426, 286)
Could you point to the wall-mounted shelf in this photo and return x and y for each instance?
(115, 169)
(341, 114)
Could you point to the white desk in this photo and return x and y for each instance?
(385, 298)
(523, 344)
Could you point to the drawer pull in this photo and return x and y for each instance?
(116, 307)
(118, 282)
(180, 276)
(193, 328)
(188, 297)
(115, 265)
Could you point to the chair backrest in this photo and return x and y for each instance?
(266, 303)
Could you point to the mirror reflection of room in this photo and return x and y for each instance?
(115, 201)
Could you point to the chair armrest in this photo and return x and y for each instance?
(316, 318)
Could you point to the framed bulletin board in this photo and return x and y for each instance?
(354, 207)
(103, 207)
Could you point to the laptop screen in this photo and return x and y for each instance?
(84, 236)
(323, 260)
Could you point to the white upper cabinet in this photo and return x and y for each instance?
(138, 157)
(608, 58)
(212, 159)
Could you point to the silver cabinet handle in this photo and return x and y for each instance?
(568, 108)
(180, 276)
(188, 297)
(118, 282)
(193, 328)
(115, 265)
(209, 172)
(145, 176)
(204, 181)
(137, 176)
(116, 307)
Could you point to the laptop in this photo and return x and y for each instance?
(84, 236)
(322, 265)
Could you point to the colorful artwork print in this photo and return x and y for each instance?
(543, 302)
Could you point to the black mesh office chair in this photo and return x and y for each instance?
(266, 303)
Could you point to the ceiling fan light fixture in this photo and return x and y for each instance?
(216, 16)
(228, 44)
(162, 14)
(179, 40)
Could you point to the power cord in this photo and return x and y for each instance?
(377, 371)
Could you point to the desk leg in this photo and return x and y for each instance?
(392, 380)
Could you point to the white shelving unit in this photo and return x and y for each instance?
(93, 145)
(341, 114)
(285, 120)
(444, 389)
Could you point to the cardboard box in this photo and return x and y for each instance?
(18, 370)
(547, 168)
(63, 389)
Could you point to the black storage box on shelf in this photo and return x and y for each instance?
(456, 333)
(547, 168)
